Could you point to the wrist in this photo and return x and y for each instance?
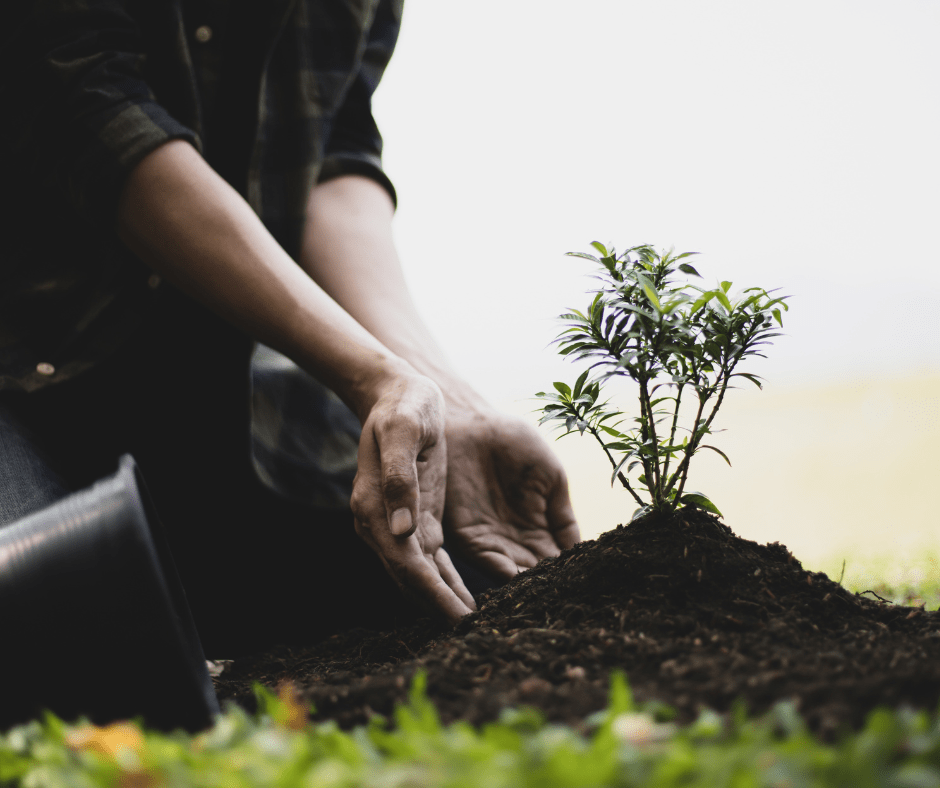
(459, 396)
(365, 387)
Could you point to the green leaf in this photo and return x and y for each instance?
(620, 699)
(722, 298)
(719, 451)
(701, 501)
(613, 476)
(700, 302)
(573, 348)
(753, 378)
(688, 269)
(611, 431)
(600, 248)
(579, 383)
(638, 310)
(650, 292)
(551, 396)
(590, 257)
(562, 388)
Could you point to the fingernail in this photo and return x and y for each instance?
(401, 522)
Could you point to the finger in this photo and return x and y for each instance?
(398, 446)
(524, 546)
(414, 574)
(452, 577)
(422, 577)
(389, 481)
(496, 563)
(536, 549)
(365, 534)
(366, 502)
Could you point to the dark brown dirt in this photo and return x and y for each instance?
(694, 615)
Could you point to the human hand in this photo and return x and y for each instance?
(398, 493)
(507, 504)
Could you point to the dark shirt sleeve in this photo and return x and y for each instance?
(355, 144)
(84, 114)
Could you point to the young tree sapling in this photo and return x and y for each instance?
(674, 340)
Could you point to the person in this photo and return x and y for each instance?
(189, 178)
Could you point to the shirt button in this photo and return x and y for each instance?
(45, 368)
(154, 281)
(203, 34)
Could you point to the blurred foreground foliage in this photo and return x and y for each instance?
(626, 745)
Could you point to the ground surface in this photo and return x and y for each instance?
(694, 615)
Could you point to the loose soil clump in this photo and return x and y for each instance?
(692, 614)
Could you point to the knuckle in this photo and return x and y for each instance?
(357, 502)
(394, 417)
(397, 482)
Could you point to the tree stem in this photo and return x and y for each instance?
(645, 406)
(689, 450)
(697, 434)
(672, 432)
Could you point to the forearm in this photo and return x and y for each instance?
(348, 249)
(187, 223)
(506, 504)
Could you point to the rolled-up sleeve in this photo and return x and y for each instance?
(83, 115)
(355, 144)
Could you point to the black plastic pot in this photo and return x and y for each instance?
(93, 619)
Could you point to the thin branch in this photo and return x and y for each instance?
(656, 486)
(687, 456)
(672, 431)
(697, 435)
(623, 479)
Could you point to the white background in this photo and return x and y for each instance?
(794, 145)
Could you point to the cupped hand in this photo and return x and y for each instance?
(507, 504)
(398, 493)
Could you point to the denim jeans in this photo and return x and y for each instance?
(27, 481)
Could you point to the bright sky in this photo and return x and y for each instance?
(793, 145)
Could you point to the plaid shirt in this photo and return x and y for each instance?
(275, 94)
(304, 440)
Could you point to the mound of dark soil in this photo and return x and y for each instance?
(694, 615)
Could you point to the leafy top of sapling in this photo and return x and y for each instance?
(673, 338)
